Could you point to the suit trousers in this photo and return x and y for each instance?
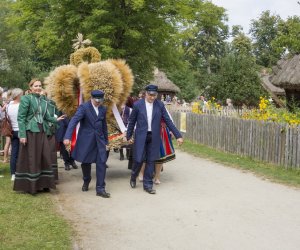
(149, 169)
(14, 152)
(100, 174)
(68, 160)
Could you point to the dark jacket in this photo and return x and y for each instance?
(92, 136)
(60, 132)
(138, 117)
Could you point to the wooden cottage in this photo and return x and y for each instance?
(165, 85)
(286, 75)
(274, 91)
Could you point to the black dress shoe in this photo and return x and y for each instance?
(103, 194)
(67, 167)
(132, 183)
(85, 187)
(150, 191)
(74, 165)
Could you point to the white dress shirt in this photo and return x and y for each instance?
(96, 109)
(149, 109)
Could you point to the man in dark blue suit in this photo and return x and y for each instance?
(146, 115)
(92, 140)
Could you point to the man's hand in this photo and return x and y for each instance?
(171, 134)
(23, 141)
(107, 148)
(124, 137)
(179, 141)
(66, 142)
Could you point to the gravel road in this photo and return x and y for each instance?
(199, 205)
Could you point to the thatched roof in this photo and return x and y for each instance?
(270, 87)
(273, 91)
(163, 83)
(286, 74)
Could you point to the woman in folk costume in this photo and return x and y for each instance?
(166, 152)
(34, 171)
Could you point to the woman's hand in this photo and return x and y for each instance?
(23, 141)
(61, 117)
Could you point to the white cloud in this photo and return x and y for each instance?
(240, 12)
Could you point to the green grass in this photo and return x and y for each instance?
(266, 171)
(29, 222)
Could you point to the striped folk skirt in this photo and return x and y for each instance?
(52, 143)
(167, 152)
(34, 167)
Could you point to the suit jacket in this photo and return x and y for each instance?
(60, 132)
(92, 136)
(138, 117)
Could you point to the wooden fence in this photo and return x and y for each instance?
(266, 141)
(234, 112)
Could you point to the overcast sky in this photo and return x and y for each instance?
(240, 12)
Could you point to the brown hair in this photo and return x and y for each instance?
(33, 81)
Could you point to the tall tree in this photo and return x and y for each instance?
(237, 80)
(141, 31)
(183, 76)
(19, 52)
(242, 44)
(206, 37)
(288, 38)
(264, 30)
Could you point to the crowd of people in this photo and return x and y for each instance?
(39, 128)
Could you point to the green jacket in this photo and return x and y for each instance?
(33, 110)
(53, 112)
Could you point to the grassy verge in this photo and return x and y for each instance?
(268, 171)
(29, 222)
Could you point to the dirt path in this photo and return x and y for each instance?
(199, 205)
